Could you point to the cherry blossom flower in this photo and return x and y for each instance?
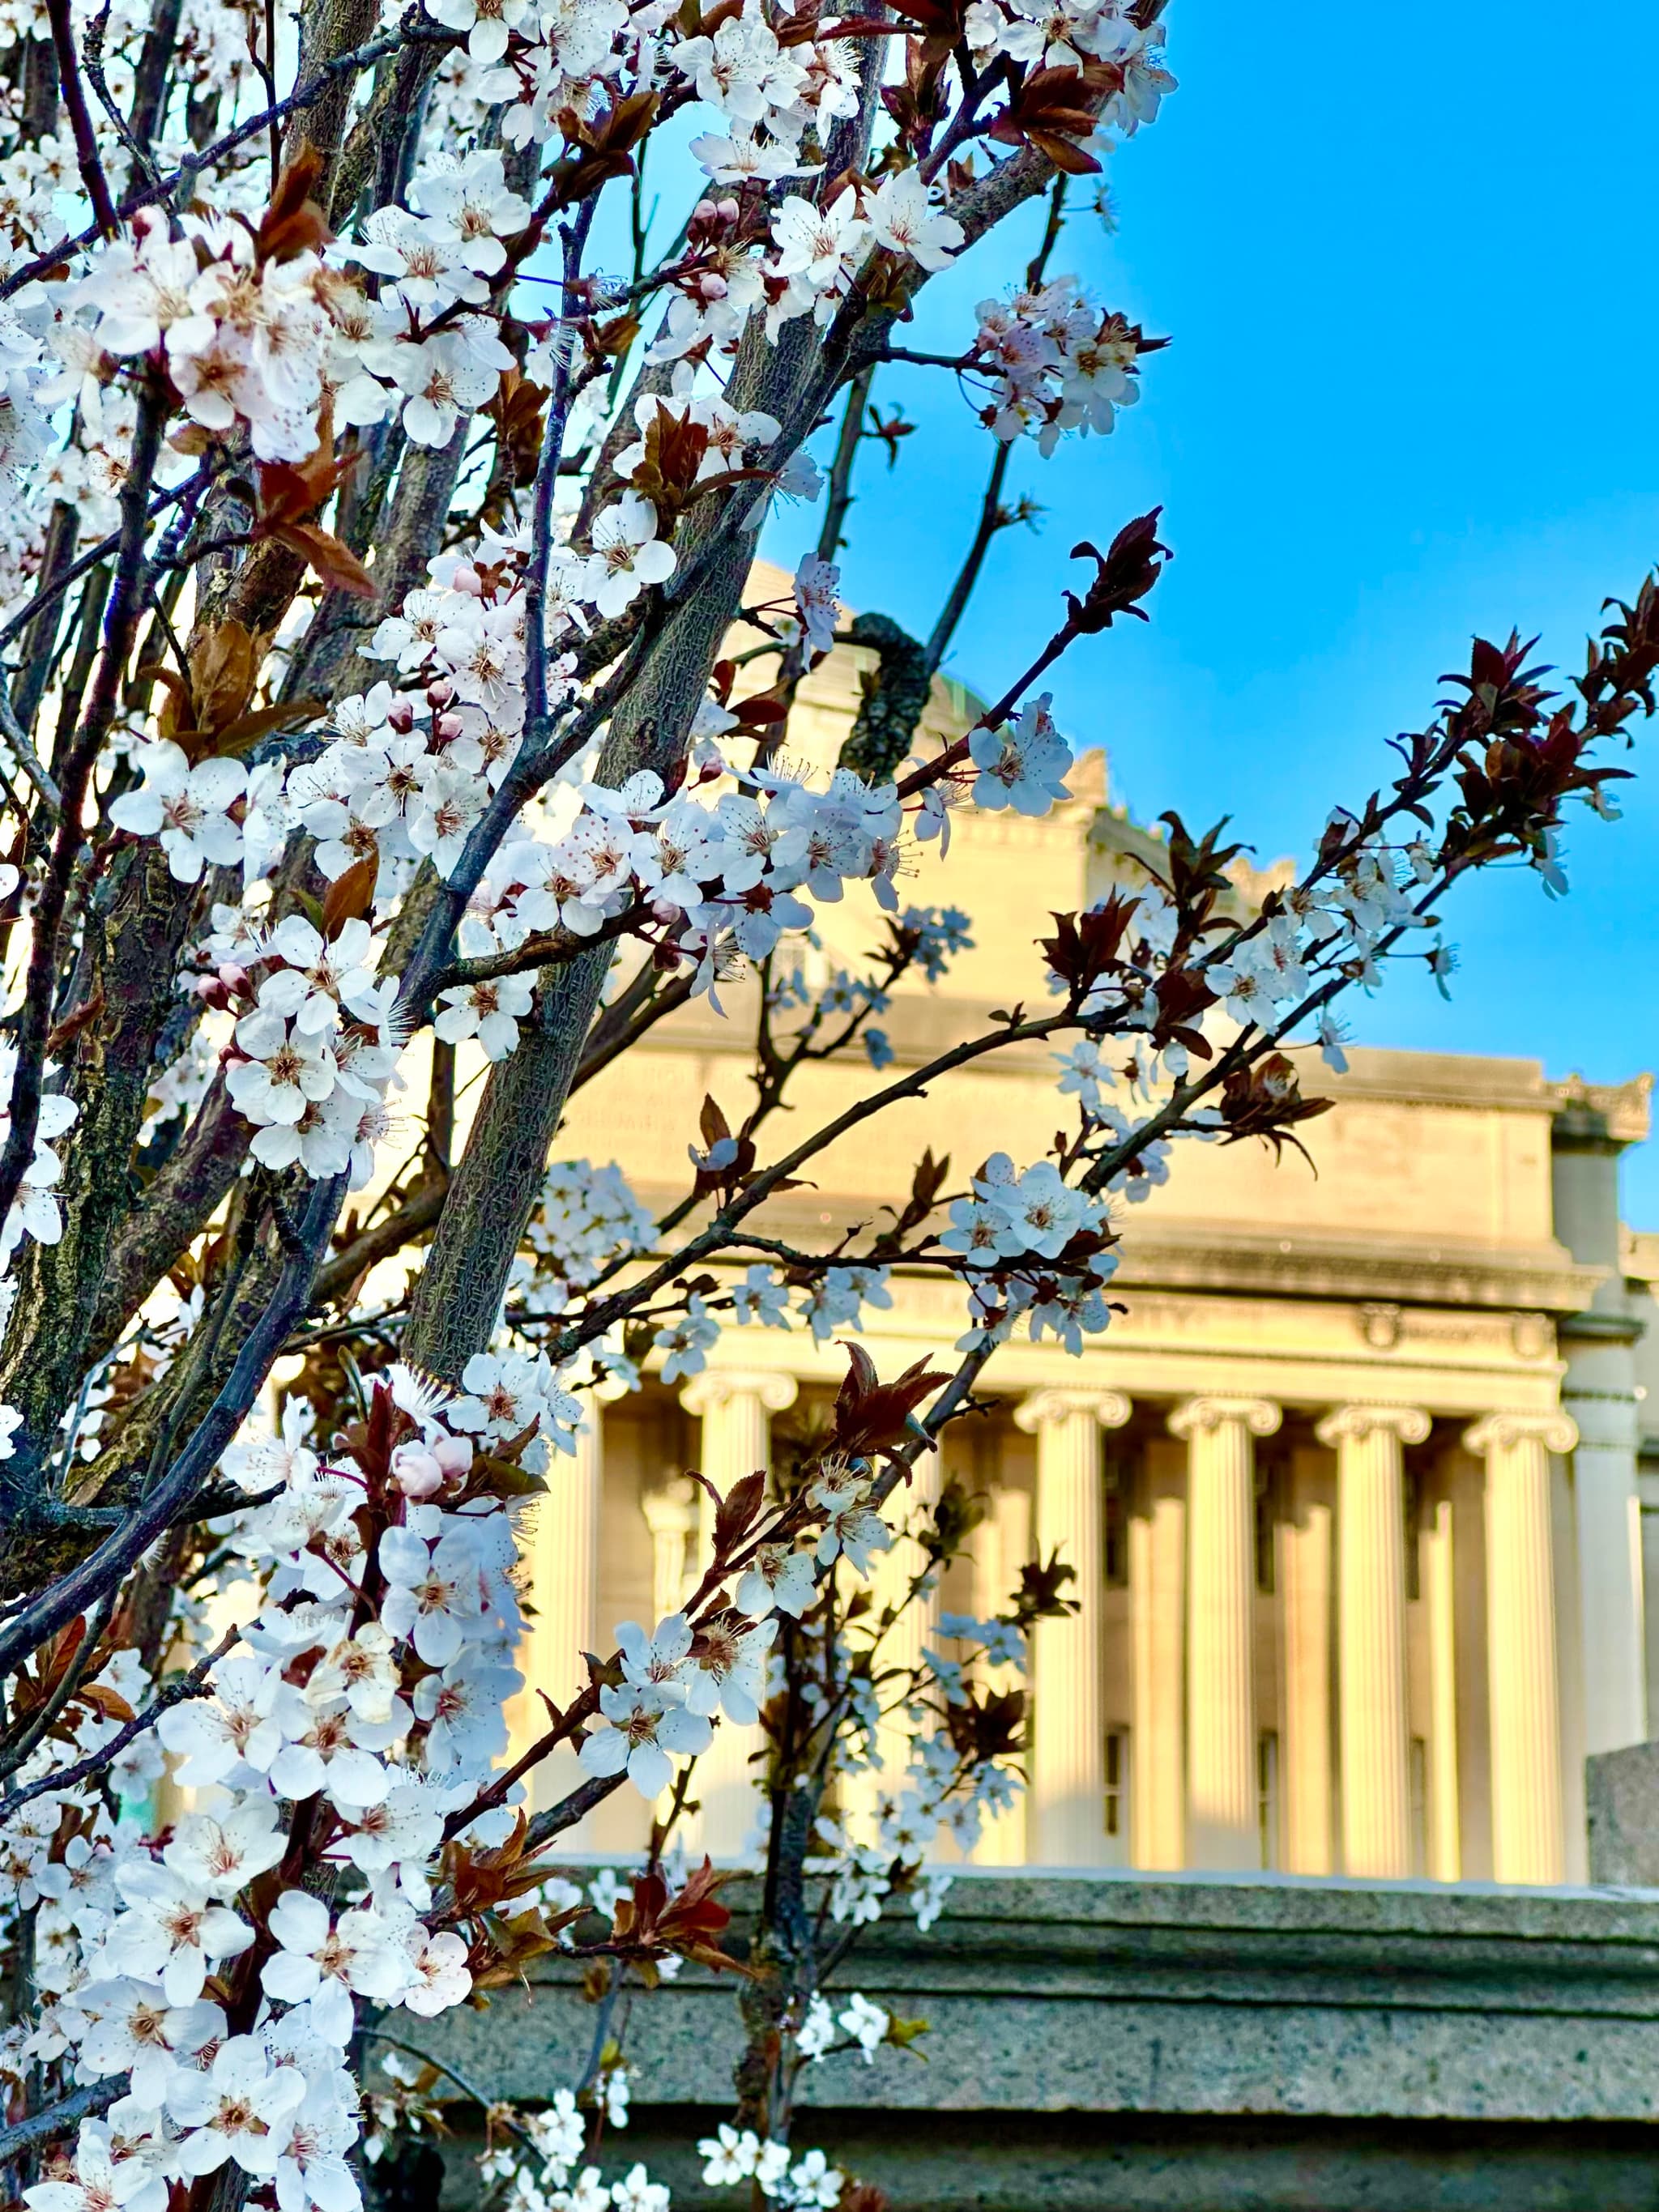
(135, 2030)
(821, 246)
(643, 1730)
(469, 198)
(778, 1580)
(658, 1662)
(438, 1973)
(902, 217)
(853, 1527)
(486, 23)
(319, 977)
(627, 554)
(242, 2109)
(506, 1392)
(817, 582)
(187, 807)
(490, 1012)
(432, 1592)
(729, 1669)
(283, 1072)
(440, 377)
(403, 1832)
(171, 1934)
(1024, 767)
(223, 1855)
(323, 1758)
(313, 2169)
(99, 2183)
(243, 1723)
(323, 1967)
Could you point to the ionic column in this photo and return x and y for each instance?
(563, 1561)
(1372, 1725)
(1067, 1738)
(1221, 1734)
(671, 1515)
(1157, 1579)
(1521, 1646)
(1609, 1526)
(1598, 1393)
(736, 1411)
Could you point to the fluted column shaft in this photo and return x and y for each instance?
(1221, 1733)
(1521, 1642)
(736, 1412)
(1158, 1600)
(1371, 1628)
(1609, 1529)
(1068, 1746)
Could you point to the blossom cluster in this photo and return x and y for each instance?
(793, 2179)
(1056, 364)
(366, 1685)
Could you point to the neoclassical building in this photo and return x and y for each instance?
(1352, 1489)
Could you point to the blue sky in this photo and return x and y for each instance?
(1410, 396)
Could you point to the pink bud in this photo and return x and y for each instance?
(440, 691)
(712, 284)
(416, 1472)
(453, 1454)
(402, 717)
(728, 210)
(449, 728)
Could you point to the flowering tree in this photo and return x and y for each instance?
(368, 574)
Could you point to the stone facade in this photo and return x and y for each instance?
(1350, 1486)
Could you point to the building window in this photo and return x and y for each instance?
(1117, 1782)
(1419, 1785)
(1267, 1795)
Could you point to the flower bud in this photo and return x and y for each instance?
(453, 1454)
(417, 1471)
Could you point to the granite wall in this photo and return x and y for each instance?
(1117, 2043)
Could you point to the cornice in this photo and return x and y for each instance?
(1163, 1255)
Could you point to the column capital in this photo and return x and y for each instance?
(1346, 1424)
(1556, 1430)
(671, 1511)
(718, 1386)
(1258, 1415)
(1111, 1408)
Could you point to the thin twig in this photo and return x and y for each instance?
(195, 1684)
